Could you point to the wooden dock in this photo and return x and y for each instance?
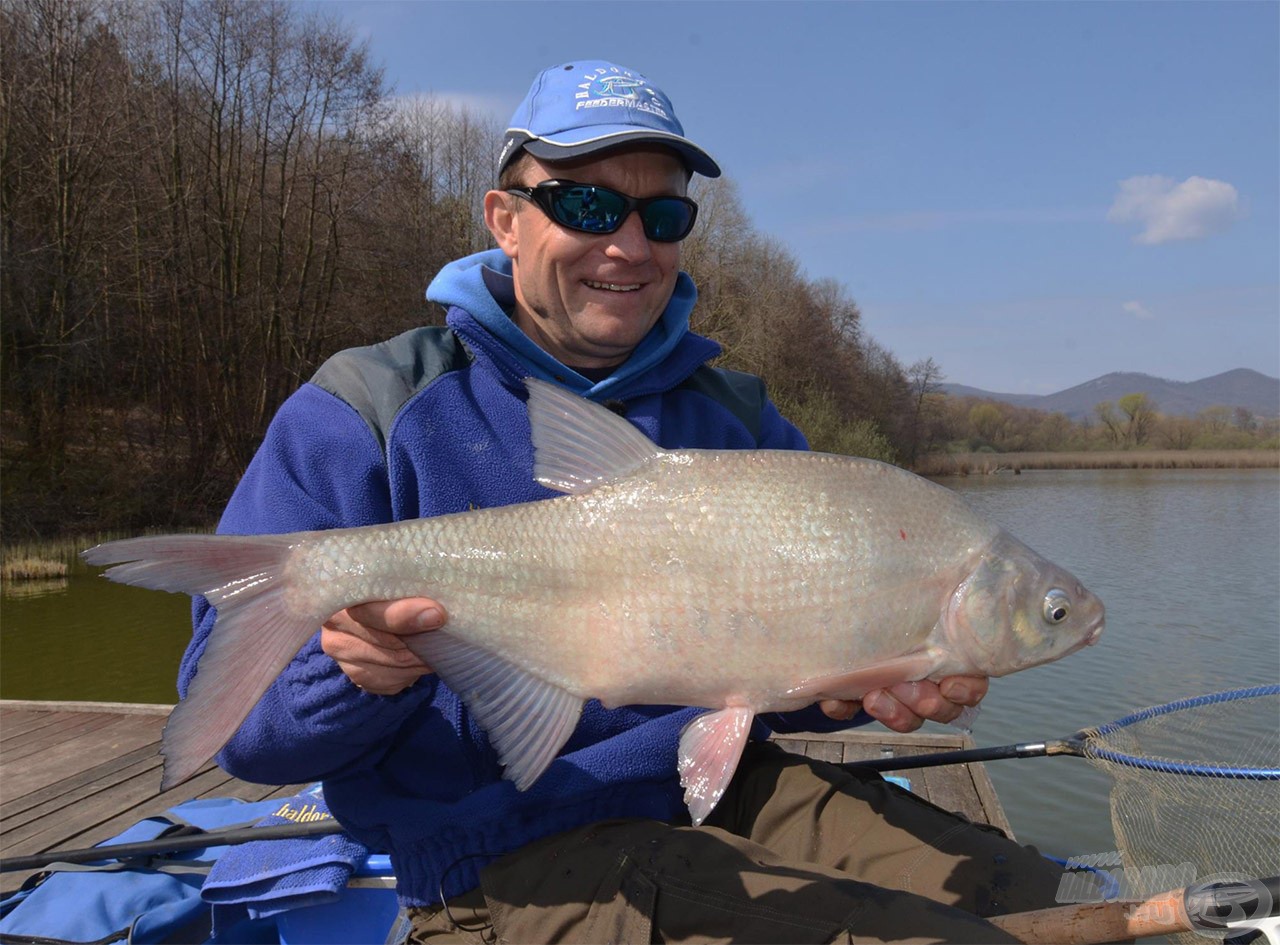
(75, 774)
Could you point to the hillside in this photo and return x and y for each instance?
(1242, 387)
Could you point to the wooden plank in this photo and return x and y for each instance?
(74, 782)
(108, 813)
(15, 724)
(97, 739)
(793, 745)
(993, 811)
(61, 707)
(55, 797)
(825, 750)
(64, 730)
(951, 788)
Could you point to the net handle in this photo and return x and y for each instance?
(1080, 745)
(1198, 907)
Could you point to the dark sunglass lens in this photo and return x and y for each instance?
(592, 209)
(667, 221)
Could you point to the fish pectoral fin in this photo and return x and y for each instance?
(579, 444)
(710, 747)
(858, 682)
(527, 719)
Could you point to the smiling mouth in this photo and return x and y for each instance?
(613, 286)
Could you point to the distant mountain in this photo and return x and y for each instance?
(1239, 388)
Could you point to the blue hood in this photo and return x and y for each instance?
(481, 284)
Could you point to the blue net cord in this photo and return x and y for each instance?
(1168, 766)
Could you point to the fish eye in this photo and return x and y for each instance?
(1057, 606)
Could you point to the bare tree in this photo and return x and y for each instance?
(925, 378)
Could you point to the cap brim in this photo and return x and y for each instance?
(605, 138)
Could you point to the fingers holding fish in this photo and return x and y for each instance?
(966, 691)
(906, 706)
(367, 641)
(840, 709)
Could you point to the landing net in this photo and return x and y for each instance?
(1196, 789)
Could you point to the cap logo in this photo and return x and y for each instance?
(506, 149)
(617, 88)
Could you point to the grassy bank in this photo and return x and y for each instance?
(964, 464)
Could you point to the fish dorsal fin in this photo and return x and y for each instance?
(527, 719)
(578, 444)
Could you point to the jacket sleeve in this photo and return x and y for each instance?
(319, 467)
(778, 433)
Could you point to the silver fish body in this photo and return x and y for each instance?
(739, 581)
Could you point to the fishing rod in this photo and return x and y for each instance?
(1093, 743)
(175, 843)
(1200, 907)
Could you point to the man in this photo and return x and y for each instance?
(584, 290)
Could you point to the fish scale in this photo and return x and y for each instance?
(739, 581)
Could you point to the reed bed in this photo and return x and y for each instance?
(54, 558)
(29, 568)
(965, 464)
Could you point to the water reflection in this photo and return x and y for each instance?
(33, 588)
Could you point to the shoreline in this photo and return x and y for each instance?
(965, 464)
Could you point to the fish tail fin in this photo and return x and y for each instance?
(256, 635)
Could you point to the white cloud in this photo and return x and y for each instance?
(1169, 211)
(1138, 310)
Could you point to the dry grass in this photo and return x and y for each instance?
(964, 464)
(28, 568)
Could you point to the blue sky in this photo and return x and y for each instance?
(1031, 193)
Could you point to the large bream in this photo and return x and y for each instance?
(743, 581)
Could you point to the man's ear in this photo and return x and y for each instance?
(500, 218)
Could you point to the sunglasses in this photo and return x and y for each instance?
(589, 208)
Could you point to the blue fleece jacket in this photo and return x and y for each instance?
(428, 423)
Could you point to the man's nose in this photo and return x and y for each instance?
(629, 242)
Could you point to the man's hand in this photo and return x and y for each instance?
(367, 642)
(906, 706)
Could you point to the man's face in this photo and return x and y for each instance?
(589, 299)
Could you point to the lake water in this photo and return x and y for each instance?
(1188, 564)
(1187, 561)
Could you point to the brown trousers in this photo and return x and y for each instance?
(797, 851)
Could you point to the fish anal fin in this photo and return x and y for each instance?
(579, 444)
(710, 748)
(527, 719)
(856, 683)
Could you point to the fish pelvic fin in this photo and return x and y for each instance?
(243, 578)
(527, 719)
(710, 749)
(579, 444)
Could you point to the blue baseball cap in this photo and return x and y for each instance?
(579, 108)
